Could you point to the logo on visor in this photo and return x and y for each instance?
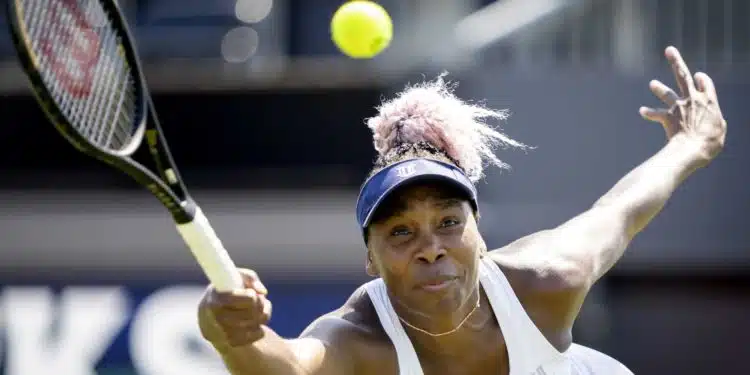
(406, 171)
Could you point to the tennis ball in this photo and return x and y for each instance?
(361, 29)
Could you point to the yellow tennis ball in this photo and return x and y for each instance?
(361, 29)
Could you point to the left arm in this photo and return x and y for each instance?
(596, 239)
(552, 270)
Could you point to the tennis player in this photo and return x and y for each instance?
(440, 302)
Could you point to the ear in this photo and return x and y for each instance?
(370, 266)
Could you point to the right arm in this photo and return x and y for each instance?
(235, 324)
(318, 351)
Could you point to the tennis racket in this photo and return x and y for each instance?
(85, 72)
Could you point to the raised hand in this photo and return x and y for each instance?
(235, 319)
(693, 114)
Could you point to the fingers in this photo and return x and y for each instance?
(252, 280)
(653, 114)
(237, 317)
(681, 72)
(663, 92)
(239, 300)
(257, 311)
(249, 299)
(705, 84)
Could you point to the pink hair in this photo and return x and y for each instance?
(431, 112)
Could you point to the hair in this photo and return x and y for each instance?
(427, 120)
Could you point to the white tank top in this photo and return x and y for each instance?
(529, 352)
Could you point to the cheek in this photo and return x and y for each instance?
(391, 266)
(460, 239)
(471, 236)
(471, 242)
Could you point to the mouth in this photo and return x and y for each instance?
(438, 284)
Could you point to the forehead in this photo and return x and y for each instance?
(438, 195)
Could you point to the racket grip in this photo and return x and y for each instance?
(210, 253)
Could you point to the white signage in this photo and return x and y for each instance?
(45, 333)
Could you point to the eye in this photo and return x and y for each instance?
(400, 231)
(449, 222)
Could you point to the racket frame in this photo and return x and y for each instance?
(168, 188)
(192, 224)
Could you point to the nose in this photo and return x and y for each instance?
(431, 251)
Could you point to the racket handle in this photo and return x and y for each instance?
(210, 253)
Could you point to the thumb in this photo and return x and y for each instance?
(252, 281)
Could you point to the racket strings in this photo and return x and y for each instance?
(79, 55)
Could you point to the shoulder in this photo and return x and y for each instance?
(353, 320)
(550, 289)
(353, 331)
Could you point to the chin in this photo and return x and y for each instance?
(451, 301)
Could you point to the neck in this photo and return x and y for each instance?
(455, 334)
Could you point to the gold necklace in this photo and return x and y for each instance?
(476, 306)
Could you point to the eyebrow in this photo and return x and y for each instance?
(397, 206)
(449, 203)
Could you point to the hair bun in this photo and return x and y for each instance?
(410, 130)
(430, 112)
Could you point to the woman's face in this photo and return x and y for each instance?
(426, 247)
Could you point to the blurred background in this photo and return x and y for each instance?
(265, 118)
